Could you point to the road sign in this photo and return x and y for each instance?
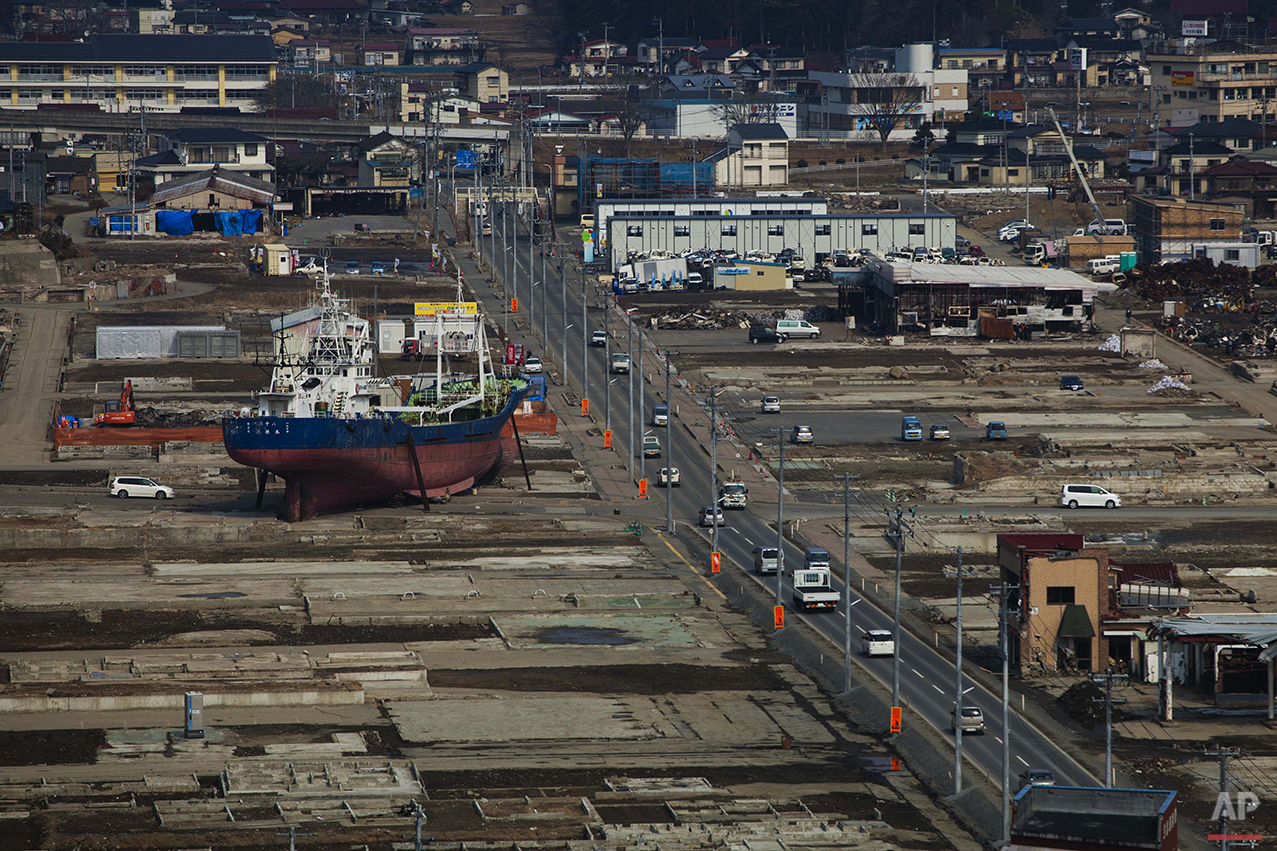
(642, 488)
(715, 562)
(585, 407)
(607, 439)
(778, 616)
(895, 719)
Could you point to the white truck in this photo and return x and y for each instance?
(1038, 253)
(732, 494)
(1104, 265)
(655, 274)
(813, 589)
(620, 363)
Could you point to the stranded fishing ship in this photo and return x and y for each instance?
(340, 437)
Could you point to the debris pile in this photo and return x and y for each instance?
(1153, 364)
(1198, 281)
(152, 418)
(1258, 340)
(1112, 344)
(1083, 702)
(1170, 386)
(709, 318)
(1041, 448)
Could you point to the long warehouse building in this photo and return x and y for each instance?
(814, 237)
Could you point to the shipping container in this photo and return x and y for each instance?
(208, 344)
(133, 342)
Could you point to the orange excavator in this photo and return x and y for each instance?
(121, 413)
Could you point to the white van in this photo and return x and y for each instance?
(1088, 496)
(766, 559)
(1103, 265)
(1108, 227)
(798, 328)
(878, 642)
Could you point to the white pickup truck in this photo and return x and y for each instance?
(813, 590)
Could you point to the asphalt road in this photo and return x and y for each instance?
(926, 677)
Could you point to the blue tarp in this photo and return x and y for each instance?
(174, 222)
(238, 222)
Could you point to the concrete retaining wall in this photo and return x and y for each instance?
(112, 703)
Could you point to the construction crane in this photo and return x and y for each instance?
(121, 413)
(1077, 168)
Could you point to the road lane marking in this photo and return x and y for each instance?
(919, 673)
(937, 688)
(749, 541)
(691, 568)
(998, 739)
(1022, 762)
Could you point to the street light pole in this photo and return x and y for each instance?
(713, 469)
(846, 564)
(895, 627)
(585, 341)
(780, 513)
(563, 290)
(957, 692)
(669, 451)
(636, 364)
(607, 382)
(629, 340)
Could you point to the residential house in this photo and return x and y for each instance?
(1129, 20)
(599, 58)
(1001, 105)
(112, 167)
(70, 176)
(985, 66)
(295, 23)
(386, 160)
(649, 50)
(1166, 229)
(516, 9)
(722, 60)
(757, 155)
(443, 46)
(778, 68)
(380, 53)
(310, 53)
(421, 102)
(193, 149)
(1031, 62)
(1184, 162)
(123, 72)
(215, 189)
(1240, 135)
(483, 82)
(560, 121)
(285, 37)
(1240, 180)
(330, 12)
(1213, 82)
(1108, 61)
(457, 7)
(1088, 27)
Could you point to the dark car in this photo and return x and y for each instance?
(763, 334)
(1070, 382)
(975, 251)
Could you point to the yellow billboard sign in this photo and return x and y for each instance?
(434, 308)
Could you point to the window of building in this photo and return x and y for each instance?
(494, 81)
(107, 71)
(1166, 70)
(154, 71)
(195, 72)
(728, 230)
(1013, 172)
(823, 230)
(1059, 595)
(247, 73)
(869, 229)
(682, 230)
(40, 72)
(775, 230)
(918, 229)
(250, 149)
(633, 230)
(1232, 254)
(1216, 224)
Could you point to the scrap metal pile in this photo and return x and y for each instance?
(1257, 340)
(1199, 282)
(708, 318)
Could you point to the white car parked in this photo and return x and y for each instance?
(127, 486)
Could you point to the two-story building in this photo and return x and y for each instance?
(1240, 180)
(123, 72)
(483, 82)
(194, 149)
(756, 155)
(597, 58)
(385, 160)
(443, 46)
(380, 53)
(310, 53)
(1166, 229)
(985, 66)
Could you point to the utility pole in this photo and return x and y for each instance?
(637, 363)
(669, 452)
(901, 530)
(292, 837)
(563, 291)
(846, 565)
(780, 514)
(1223, 755)
(1108, 700)
(607, 365)
(629, 340)
(585, 341)
(957, 691)
(713, 469)
(1004, 646)
(418, 817)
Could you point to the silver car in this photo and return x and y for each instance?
(771, 404)
(803, 434)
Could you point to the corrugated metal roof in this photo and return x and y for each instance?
(226, 182)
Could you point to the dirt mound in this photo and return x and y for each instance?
(984, 466)
(1079, 703)
(151, 418)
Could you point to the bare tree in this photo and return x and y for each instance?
(627, 101)
(885, 99)
(745, 109)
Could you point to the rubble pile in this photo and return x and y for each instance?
(708, 318)
(1153, 364)
(1257, 340)
(1199, 282)
(1112, 344)
(1083, 702)
(1170, 386)
(153, 418)
(1041, 448)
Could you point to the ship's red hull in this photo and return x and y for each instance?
(320, 480)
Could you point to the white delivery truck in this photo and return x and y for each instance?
(813, 589)
(732, 494)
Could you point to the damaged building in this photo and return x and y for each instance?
(947, 300)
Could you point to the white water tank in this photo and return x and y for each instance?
(915, 58)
